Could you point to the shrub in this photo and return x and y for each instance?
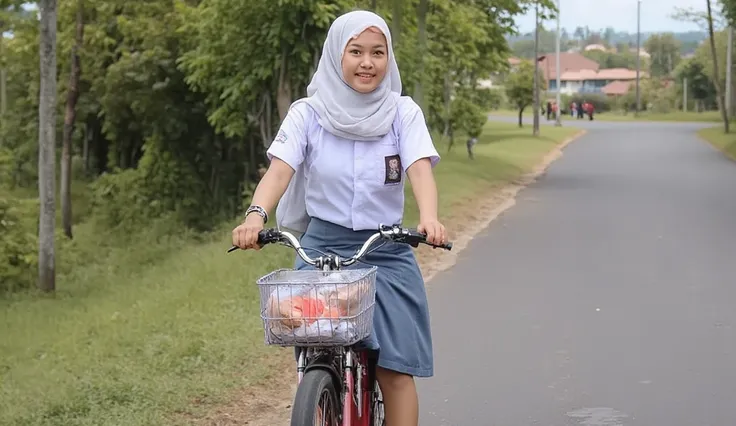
(18, 255)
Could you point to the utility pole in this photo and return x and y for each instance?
(638, 56)
(684, 94)
(535, 124)
(558, 119)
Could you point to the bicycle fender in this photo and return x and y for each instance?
(330, 369)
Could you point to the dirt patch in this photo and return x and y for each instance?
(271, 406)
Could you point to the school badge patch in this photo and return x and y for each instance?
(393, 169)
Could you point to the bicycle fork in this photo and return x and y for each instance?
(355, 384)
(359, 385)
(347, 405)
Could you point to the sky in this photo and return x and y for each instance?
(619, 14)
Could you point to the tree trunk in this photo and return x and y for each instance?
(732, 112)
(264, 119)
(398, 6)
(3, 95)
(447, 97)
(85, 147)
(3, 91)
(451, 134)
(69, 118)
(3, 88)
(521, 116)
(283, 95)
(374, 6)
(421, 48)
(46, 145)
(717, 80)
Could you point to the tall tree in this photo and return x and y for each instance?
(664, 51)
(608, 35)
(700, 88)
(579, 33)
(397, 16)
(520, 87)
(46, 144)
(9, 11)
(729, 10)
(69, 117)
(717, 82)
(421, 52)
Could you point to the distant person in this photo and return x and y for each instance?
(583, 108)
(573, 109)
(549, 110)
(591, 111)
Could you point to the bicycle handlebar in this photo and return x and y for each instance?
(394, 233)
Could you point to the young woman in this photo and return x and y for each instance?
(357, 140)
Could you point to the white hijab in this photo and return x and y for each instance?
(342, 110)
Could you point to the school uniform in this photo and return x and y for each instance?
(352, 186)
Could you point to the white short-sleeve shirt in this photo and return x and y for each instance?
(355, 184)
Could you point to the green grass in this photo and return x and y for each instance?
(137, 331)
(725, 142)
(707, 116)
(502, 154)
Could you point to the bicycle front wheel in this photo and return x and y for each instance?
(316, 401)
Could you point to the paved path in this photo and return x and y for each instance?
(605, 297)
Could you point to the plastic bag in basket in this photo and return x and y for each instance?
(323, 329)
(295, 308)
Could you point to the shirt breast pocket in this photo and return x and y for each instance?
(387, 168)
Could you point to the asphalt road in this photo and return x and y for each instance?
(605, 297)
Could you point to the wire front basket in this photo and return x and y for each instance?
(318, 308)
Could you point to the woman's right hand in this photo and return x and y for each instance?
(245, 235)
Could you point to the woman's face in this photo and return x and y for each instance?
(364, 60)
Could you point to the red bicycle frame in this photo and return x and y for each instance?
(356, 411)
(351, 410)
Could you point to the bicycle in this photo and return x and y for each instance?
(335, 378)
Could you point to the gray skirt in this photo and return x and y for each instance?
(401, 329)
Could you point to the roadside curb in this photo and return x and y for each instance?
(719, 149)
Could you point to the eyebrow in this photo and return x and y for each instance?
(376, 46)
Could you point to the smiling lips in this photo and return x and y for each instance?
(365, 77)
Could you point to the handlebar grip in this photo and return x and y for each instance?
(417, 237)
(265, 236)
(447, 246)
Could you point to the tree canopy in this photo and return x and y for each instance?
(177, 100)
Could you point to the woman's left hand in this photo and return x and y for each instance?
(434, 230)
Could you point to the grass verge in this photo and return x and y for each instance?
(725, 142)
(143, 330)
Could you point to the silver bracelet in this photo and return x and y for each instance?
(259, 210)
